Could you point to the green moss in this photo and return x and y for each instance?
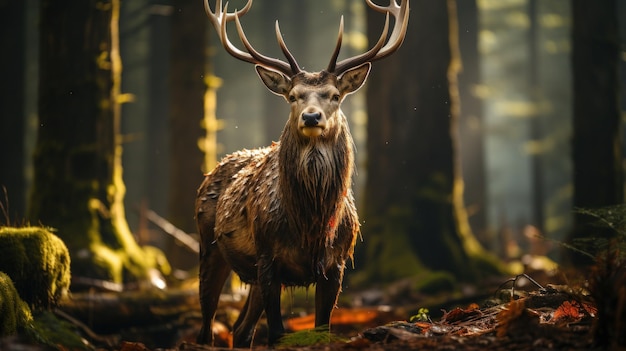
(389, 247)
(435, 282)
(38, 263)
(120, 265)
(104, 263)
(146, 258)
(14, 312)
(46, 329)
(319, 335)
(488, 265)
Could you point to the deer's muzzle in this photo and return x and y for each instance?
(312, 124)
(311, 119)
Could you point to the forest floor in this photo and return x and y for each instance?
(546, 319)
(541, 317)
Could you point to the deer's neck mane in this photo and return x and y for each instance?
(315, 176)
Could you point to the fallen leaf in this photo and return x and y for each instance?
(459, 314)
(568, 312)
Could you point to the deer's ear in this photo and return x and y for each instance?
(353, 79)
(275, 81)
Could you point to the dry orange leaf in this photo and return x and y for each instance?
(339, 316)
(460, 314)
(568, 312)
(133, 346)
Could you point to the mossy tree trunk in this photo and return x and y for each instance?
(597, 156)
(414, 214)
(78, 186)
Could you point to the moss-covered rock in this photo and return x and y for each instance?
(38, 262)
(14, 312)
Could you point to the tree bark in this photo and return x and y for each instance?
(598, 174)
(12, 148)
(188, 53)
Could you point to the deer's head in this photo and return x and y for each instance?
(315, 98)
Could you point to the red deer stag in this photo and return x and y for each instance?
(284, 215)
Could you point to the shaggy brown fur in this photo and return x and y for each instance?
(283, 215)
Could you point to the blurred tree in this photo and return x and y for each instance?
(188, 55)
(414, 218)
(192, 121)
(598, 174)
(535, 127)
(78, 187)
(550, 128)
(12, 146)
(145, 49)
(471, 125)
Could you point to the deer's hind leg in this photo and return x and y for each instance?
(213, 274)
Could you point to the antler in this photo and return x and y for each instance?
(221, 17)
(381, 49)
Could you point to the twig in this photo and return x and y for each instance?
(514, 280)
(171, 229)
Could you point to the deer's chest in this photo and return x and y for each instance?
(254, 221)
(290, 261)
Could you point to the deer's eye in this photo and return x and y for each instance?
(292, 98)
(336, 97)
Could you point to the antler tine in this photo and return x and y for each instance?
(292, 61)
(369, 55)
(260, 58)
(401, 14)
(333, 60)
(221, 17)
(380, 50)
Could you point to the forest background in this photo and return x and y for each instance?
(491, 124)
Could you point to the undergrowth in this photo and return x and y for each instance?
(607, 278)
(611, 220)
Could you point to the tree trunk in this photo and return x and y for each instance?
(78, 187)
(187, 71)
(414, 213)
(598, 175)
(12, 152)
(471, 124)
(187, 77)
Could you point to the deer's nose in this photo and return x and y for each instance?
(311, 119)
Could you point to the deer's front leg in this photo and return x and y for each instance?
(250, 314)
(270, 289)
(326, 293)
